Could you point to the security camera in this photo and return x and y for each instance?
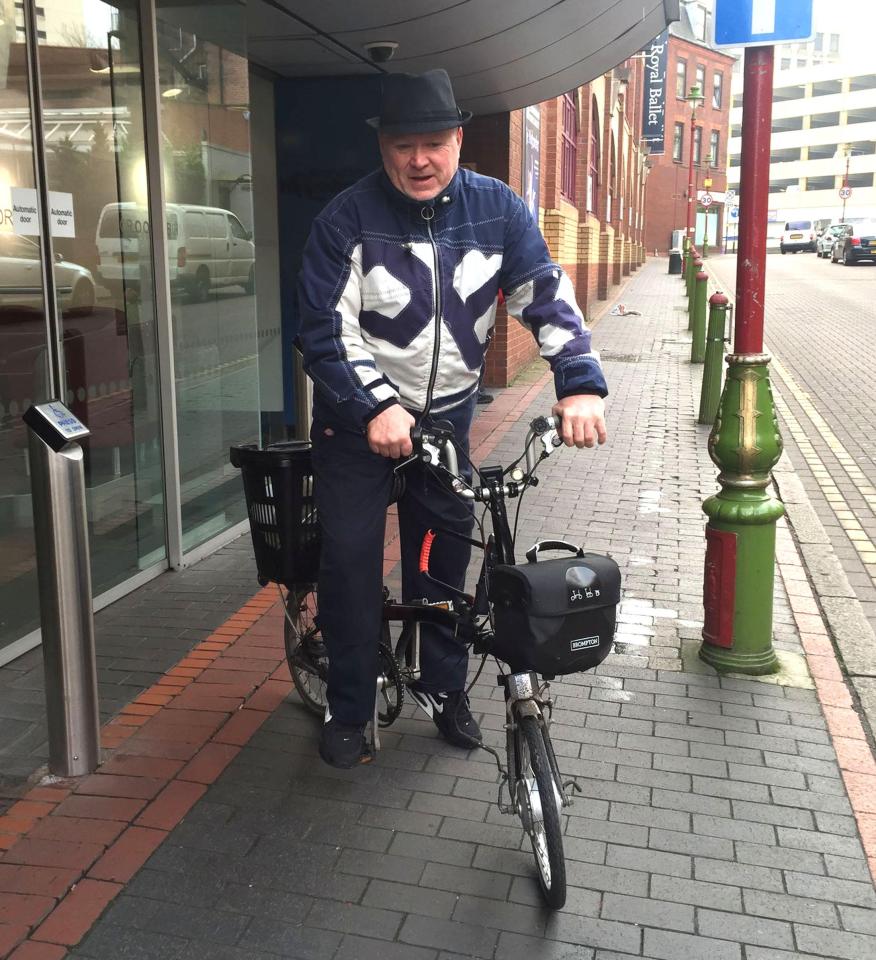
(381, 50)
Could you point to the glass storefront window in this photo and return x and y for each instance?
(91, 98)
(205, 116)
(23, 338)
(92, 101)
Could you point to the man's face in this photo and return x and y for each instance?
(421, 165)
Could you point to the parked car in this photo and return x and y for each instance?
(857, 243)
(21, 275)
(826, 239)
(207, 247)
(798, 235)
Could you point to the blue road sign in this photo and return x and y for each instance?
(760, 23)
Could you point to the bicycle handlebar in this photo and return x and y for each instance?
(436, 447)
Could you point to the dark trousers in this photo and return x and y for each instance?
(352, 490)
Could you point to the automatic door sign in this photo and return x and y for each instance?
(25, 213)
(845, 193)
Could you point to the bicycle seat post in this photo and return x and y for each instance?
(415, 652)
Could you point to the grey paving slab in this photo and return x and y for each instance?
(712, 820)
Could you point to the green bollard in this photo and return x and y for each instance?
(745, 444)
(710, 393)
(698, 340)
(693, 269)
(696, 267)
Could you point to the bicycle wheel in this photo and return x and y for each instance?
(305, 651)
(539, 807)
(391, 695)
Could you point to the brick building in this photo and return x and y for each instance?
(591, 191)
(691, 61)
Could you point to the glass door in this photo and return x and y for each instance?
(23, 335)
(91, 89)
(205, 114)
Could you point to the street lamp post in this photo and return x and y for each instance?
(694, 97)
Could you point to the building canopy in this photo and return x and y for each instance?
(500, 55)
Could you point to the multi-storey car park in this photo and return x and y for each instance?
(823, 138)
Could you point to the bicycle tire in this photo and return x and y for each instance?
(306, 655)
(544, 828)
(391, 697)
(307, 659)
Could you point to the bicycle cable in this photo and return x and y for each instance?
(511, 466)
(523, 492)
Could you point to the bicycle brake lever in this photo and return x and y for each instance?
(549, 440)
(429, 453)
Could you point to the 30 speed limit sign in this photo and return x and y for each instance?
(706, 200)
(845, 193)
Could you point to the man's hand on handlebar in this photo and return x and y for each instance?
(389, 433)
(582, 420)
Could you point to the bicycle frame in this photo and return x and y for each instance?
(524, 696)
(536, 791)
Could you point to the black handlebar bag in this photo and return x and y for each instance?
(555, 616)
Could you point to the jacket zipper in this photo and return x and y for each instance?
(437, 295)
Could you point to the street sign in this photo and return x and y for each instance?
(706, 200)
(734, 213)
(729, 196)
(845, 193)
(759, 23)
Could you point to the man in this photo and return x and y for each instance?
(398, 291)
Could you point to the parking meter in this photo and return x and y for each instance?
(64, 572)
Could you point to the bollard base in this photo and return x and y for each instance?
(726, 661)
(745, 444)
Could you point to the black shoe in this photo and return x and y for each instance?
(451, 715)
(484, 397)
(341, 745)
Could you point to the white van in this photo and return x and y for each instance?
(798, 235)
(207, 247)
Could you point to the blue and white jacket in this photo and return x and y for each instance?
(398, 297)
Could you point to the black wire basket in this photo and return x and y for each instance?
(278, 484)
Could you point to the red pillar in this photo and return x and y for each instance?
(757, 114)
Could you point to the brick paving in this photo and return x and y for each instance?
(714, 820)
(137, 639)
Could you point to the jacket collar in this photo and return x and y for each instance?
(443, 202)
